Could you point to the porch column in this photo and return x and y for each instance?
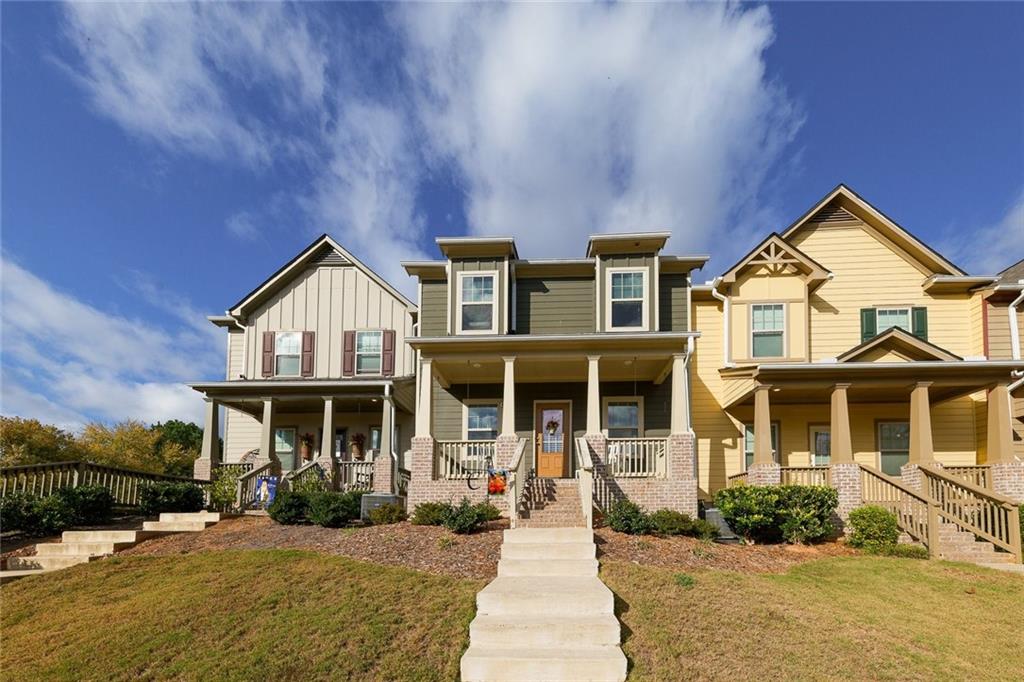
(921, 450)
(593, 394)
(763, 470)
(327, 442)
(384, 465)
(210, 455)
(680, 406)
(1007, 473)
(423, 399)
(844, 473)
(267, 453)
(508, 400)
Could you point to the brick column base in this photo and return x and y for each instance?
(504, 450)
(1008, 479)
(598, 448)
(911, 476)
(383, 474)
(202, 469)
(764, 474)
(846, 480)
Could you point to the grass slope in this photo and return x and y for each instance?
(849, 618)
(235, 615)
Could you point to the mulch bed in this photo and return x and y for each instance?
(425, 548)
(690, 553)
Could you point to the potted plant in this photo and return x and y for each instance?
(358, 440)
(306, 447)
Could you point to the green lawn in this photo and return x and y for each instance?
(849, 618)
(235, 615)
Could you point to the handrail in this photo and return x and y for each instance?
(915, 514)
(585, 474)
(805, 475)
(246, 488)
(984, 513)
(978, 474)
(303, 472)
(736, 479)
(517, 479)
(460, 459)
(404, 477)
(355, 475)
(636, 457)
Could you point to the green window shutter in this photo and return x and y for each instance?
(868, 324)
(919, 317)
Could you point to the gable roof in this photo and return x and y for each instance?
(1012, 274)
(776, 252)
(843, 201)
(899, 341)
(323, 251)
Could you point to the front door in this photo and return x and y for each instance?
(551, 430)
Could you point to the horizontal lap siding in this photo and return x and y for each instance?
(673, 314)
(552, 305)
(241, 434)
(433, 308)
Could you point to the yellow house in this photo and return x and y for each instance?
(845, 338)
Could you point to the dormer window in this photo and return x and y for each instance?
(287, 354)
(477, 313)
(627, 304)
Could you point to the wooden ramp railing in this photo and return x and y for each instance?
(916, 516)
(585, 475)
(518, 477)
(979, 475)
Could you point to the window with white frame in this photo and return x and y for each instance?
(893, 317)
(368, 352)
(287, 354)
(893, 446)
(748, 444)
(478, 303)
(626, 301)
(482, 420)
(623, 417)
(768, 330)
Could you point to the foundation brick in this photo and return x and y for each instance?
(764, 474)
(1008, 479)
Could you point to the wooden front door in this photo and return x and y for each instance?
(551, 426)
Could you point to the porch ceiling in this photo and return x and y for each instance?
(305, 396)
(543, 368)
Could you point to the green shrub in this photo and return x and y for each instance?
(488, 512)
(313, 482)
(90, 504)
(906, 551)
(670, 522)
(705, 530)
(289, 507)
(794, 513)
(157, 498)
(431, 513)
(627, 517)
(685, 581)
(464, 518)
(386, 514)
(49, 516)
(807, 513)
(330, 509)
(223, 488)
(873, 529)
(15, 510)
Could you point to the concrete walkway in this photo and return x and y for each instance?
(547, 616)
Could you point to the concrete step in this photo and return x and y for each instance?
(176, 526)
(545, 596)
(978, 557)
(108, 535)
(544, 631)
(208, 517)
(547, 535)
(584, 568)
(8, 576)
(534, 523)
(1008, 567)
(48, 563)
(90, 548)
(597, 663)
(548, 551)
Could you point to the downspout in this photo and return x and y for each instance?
(726, 316)
(690, 343)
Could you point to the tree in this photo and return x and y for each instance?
(28, 441)
(186, 434)
(130, 444)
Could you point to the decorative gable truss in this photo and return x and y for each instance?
(776, 256)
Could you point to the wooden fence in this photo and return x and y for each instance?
(45, 479)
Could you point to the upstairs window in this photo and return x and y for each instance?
(482, 421)
(893, 317)
(477, 303)
(623, 417)
(768, 329)
(627, 304)
(287, 354)
(874, 321)
(368, 352)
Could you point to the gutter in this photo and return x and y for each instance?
(726, 316)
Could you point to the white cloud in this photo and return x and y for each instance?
(992, 248)
(65, 360)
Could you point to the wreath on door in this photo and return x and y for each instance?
(552, 426)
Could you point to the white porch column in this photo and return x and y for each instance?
(327, 444)
(508, 400)
(921, 450)
(387, 425)
(593, 395)
(267, 433)
(680, 406)
(211, 432)
(423, 399)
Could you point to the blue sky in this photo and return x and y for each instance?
(158, 161)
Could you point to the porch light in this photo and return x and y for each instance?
(476, 365)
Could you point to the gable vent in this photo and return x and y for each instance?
(328, 256)
(833, 213)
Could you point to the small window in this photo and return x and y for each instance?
(894, 317)
(368, 352)
(287, 354)
(893, 446)
(375, 438)
(748, 444)
(626, 299)
(477, 303)
(622, 418)
(768, 325)
(284, 447)
(482, 421)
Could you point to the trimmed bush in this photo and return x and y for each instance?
(431, 513)
(670, 522)
(794, 513)
(331, 510)
(464, 518)
(807, 513)
(157, 498)
(386, 514)
(90, 504)
(625, 516)
(49, 516)
(289, 508)
(488, 512)
(15, 511)
(873, 529)
(705, 530)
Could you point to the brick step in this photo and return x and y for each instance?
(979, 558)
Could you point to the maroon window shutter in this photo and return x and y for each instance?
(308, 346)
(268, 354)
(348, 365)
(387, 358)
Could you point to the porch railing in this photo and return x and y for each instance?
(307, 472)
(914, 514)
(355, 476)
(736, 479)
(247, 493)
(636, 457)
(518, 478)
(233, 468)
(404, 476)
(979, 475)
(455, 459)
(812, 475)
(45, 479)
(987, 514)
(585, 476)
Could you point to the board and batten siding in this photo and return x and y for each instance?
(496, 264)
(331, 301)
(645, 261)
(554, 305)
(672, 304)
(433, 308)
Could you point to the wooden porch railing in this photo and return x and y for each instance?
(987, 514)
(45, 479)
(518, 477)
(455, 459)
(585, 476)
(979, 475)
(736, 479)
(636, 457)
(812, 475)
(304, 473)
(354, 476)
(247, 486)
(916, 516)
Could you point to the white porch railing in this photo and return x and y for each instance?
(355, 476)
(518, 478)
(455, 459)
(636, 457)
(585, 476)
